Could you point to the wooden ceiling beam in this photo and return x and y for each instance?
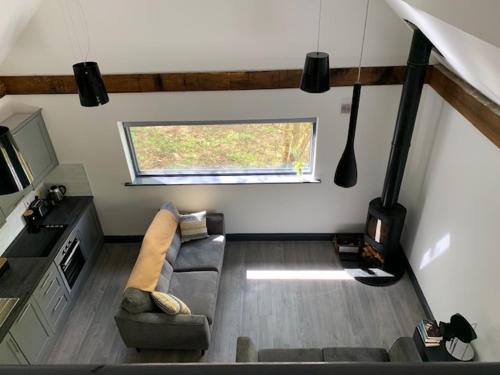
(483, 113)
(209, 81)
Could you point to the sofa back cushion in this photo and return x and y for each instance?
(175, 246)
(164, 279)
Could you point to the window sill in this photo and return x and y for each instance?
(222, 180)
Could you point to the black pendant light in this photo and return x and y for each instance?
(316, 73)
(15, 174)
(346, 174)
(91, 88)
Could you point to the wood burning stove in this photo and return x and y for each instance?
(381, 249)
(382, 234)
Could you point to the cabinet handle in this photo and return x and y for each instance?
(24, 312)
(13, 344)
(45, 281)
(57, 304)
(48, 288)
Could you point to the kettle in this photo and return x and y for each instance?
(56, 193)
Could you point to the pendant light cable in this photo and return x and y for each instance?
(319, 25)
(363, 40)
(86, 27)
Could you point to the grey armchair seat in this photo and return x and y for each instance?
(191, 271)
(403, 350)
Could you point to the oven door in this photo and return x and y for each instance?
(72, 263)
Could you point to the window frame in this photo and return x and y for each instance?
(214, 172)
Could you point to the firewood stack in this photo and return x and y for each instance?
(372, 256)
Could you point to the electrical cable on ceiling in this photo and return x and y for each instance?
(363, 40)
(319, 25)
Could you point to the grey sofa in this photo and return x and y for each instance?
(403, 350)
(191, 271)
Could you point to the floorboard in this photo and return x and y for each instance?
(275, 313)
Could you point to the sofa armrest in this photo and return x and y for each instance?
(245, 350)
(215, 223)
(404, 350)
(154, 330)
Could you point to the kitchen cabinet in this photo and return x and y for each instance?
(89, 232)
(10, 353)
(52, 297)
(31, 136)
(31, 333)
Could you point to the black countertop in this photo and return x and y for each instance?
(24, 274)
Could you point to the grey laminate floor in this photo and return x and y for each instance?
(275, 313)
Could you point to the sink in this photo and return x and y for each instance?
(6, 307)
(35, 245)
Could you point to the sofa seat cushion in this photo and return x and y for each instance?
(291, 355)
(198, 289)
(201, 255)
(355, 355)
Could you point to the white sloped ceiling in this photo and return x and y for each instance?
(472, 58)
(14, 17)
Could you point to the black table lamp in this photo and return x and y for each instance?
(458, 334)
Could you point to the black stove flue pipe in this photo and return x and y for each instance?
(416, 69)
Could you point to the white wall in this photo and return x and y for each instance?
(130, 36)
(90, 136)
(14, 16)
(451, 237)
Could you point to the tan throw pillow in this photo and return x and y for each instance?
(193, 226)
(170, 304)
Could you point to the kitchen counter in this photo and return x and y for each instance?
(24, 274)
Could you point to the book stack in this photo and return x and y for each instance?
(430, 333)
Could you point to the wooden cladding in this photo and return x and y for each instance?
(474, 106)
(483, 113)
(210, 81)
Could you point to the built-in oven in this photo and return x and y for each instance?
(70, 261)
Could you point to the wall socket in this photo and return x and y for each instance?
(345, 108)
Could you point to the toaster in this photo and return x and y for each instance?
(40, 208)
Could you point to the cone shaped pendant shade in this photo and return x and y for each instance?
(15, 174)
(316, 74)
(91, 87)
(346, 174)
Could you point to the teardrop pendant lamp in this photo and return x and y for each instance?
(316, 74)
(91, 88)
(346, 174)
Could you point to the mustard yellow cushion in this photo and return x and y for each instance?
(170, 304)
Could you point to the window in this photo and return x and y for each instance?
(222, 148)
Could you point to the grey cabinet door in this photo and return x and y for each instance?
(2, 217)
(10, 353)
(31, 333)
(89, 232)
(9, 202)
(34, 143)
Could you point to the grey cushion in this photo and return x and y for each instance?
(136, 301)
(291, 355)
(198, 290)
(164, 280)
(175, 246)
(245, 350)
(404, 350)
(201, 255)
(355, 355)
